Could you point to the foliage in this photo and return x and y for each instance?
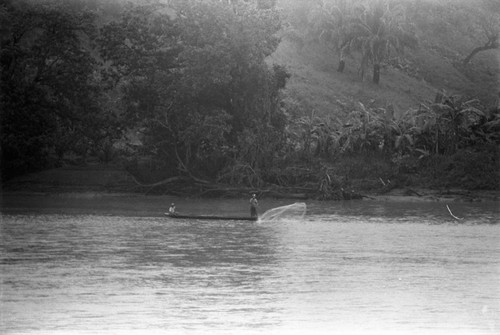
(398, 148)
(447, 125)
(195, 81)
(48, 87)
(190, 80)
(472, 168)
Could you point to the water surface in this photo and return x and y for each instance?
(117, 265)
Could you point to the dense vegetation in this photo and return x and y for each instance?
(181, 93)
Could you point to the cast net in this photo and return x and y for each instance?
(291, 212)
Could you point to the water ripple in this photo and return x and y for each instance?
(342, 269)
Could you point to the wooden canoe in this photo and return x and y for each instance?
(211, 217)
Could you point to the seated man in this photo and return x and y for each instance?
(171, 210)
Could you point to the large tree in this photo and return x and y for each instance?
(194, 79)
(48, 88)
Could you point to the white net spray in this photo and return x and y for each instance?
(295, 212)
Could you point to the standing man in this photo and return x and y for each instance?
(253, 206)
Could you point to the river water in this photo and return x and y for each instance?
(114, 265)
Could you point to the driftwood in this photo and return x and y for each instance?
(455, 217)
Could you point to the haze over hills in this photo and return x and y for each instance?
(444, 40)
(447, 31)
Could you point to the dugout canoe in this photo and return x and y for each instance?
(211, 217)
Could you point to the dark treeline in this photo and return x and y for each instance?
(181, 95)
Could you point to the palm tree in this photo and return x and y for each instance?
(330, 22)
(379, 29)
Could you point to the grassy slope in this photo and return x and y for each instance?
(316, 85)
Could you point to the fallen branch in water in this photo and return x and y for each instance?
(383, 183)
(455, 217)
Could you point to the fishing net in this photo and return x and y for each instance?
(294, 212)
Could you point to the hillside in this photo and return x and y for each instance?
(434, 66)
(316, 84)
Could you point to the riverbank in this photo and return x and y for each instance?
(101, 180)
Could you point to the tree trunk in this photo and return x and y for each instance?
(376, 73)
(341, 66)
(491, 44)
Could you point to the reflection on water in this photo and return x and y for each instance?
(357, 267)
